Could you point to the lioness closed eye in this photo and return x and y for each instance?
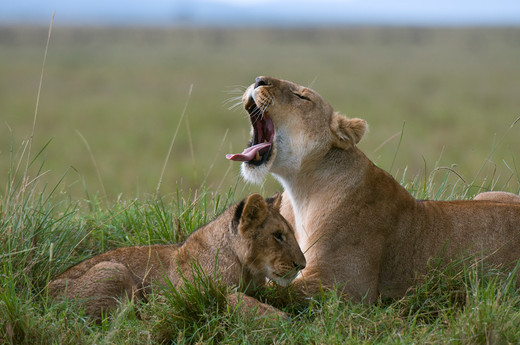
(359, 227)
(247, 243)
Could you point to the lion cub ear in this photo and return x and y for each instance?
(254, 212)
(275, 201)
(348, 132)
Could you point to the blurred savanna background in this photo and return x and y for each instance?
(114, 130)
(112, 100)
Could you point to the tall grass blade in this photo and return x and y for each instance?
(39, 90)
(172, 142)
(397, 149)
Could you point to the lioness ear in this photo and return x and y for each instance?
(348, 132)
(253, 213)
(275, 201)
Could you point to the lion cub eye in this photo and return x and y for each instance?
(279, 236)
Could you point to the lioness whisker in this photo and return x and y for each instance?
(256, 114)
(235, 102)
(233, 99)
(237, 90)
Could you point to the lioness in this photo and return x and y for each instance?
(359, 228)
(247, 243)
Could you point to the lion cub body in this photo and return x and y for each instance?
(359, 228)
(247, 243)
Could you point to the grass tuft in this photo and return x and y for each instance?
(41, 237)
(192, 312)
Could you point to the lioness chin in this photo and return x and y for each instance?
(359, 228)
(242, 247)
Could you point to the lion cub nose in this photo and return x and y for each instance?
(299, 266)
(261, 81)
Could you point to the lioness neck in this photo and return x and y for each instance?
(316, 177)
(314, 187)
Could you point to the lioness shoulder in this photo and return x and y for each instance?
(246, 244)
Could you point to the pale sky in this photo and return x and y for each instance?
(255, 2)
(269, 12)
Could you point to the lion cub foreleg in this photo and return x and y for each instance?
(101, 287)
(250, 307)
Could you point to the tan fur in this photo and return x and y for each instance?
(498, 196)
(247, 243)
(359, 228)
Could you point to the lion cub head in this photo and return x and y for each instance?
(292, 125)
(267, 243)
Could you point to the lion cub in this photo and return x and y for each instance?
(247, 243)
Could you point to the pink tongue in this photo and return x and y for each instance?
(248, 154)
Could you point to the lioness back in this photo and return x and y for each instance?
(242, 247)
(498, 196)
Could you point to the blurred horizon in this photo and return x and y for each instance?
(258, 13)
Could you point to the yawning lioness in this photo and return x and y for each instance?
(359, 228)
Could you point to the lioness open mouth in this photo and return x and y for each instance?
(259, 149)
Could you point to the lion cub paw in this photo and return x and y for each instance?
(253, 308)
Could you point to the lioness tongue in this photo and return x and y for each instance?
(249, 153)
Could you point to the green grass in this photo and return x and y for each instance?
(41, 236)
(125, 91)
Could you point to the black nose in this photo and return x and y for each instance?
(298, 266)
(261, 81)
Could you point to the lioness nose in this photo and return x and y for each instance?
(261, 81)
